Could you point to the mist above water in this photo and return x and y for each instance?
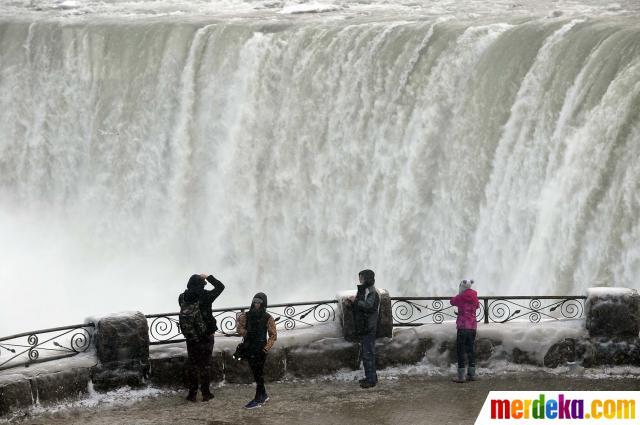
(286, 152)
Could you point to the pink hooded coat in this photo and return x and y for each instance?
(467, 303)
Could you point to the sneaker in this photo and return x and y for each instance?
(263, 399)
(252, 404)
(207, 396)
(367, 384)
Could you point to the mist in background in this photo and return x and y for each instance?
(285, 152)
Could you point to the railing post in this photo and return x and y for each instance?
(486, 310)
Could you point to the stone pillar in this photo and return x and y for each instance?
(122, 343)
(612, 312)
(385, 320)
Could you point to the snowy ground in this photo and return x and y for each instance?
(409, 395)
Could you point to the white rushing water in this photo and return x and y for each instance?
(284, 150)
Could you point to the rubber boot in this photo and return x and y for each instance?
(471, 373)
(460, 377)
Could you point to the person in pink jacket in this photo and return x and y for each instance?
(467, 303)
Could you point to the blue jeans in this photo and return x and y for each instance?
(368, 353)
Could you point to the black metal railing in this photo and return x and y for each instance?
(165, 328)
(44, 345)
(416, 311)
(56, 343)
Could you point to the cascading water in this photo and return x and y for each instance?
(287, 152)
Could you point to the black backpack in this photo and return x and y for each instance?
(191, 321)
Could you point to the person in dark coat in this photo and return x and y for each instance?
(259, 331)
(366, 304)
(200, 337)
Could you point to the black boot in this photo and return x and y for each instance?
(192, 395)
(206, 393)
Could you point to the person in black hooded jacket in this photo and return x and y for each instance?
(365, 316)
(200, 347)
(254, 326)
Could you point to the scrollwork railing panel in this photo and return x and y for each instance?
(415, 311)
(44, 345)
(165, 328)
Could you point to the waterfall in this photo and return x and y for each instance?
(285, 155)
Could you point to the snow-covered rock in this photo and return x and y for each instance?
(122, 342)
(322, 357)
(613, 312)
(561, 353)
(123, 337)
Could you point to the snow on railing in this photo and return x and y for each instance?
(416, 311)
(165, 328)
(44, 345)
(55, 343)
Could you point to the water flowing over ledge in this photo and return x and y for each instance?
(288, 152)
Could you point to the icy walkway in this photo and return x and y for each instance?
(403, 399)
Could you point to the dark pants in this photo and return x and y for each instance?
(368, 355)
(199, 364)
(256, 363)
(464, 345)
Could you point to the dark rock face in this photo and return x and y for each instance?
(523, 357)
(123, 338)
(404, 348)
(15, 395)
(560, 353)
(61, 385)
(484, 349)
(323, 357)
(611, 351)
(239, 372)
(171, 371)
(114, 375)
(385, 319)
(168, 371)
(613, 315)
(449, 349)
(122, 343)
(44, 388)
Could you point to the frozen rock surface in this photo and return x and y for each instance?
(613, 312)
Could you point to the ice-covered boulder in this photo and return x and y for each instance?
(14, 395)
(613, 312)
(122, 342)
(560, 353)
(484, 349)
(611, 351)
(404, 348)
(385, 320)
(123, 337)
(322, 357)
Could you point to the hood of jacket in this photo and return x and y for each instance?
(263, 297)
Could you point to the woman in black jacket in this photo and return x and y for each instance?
(254, 326)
